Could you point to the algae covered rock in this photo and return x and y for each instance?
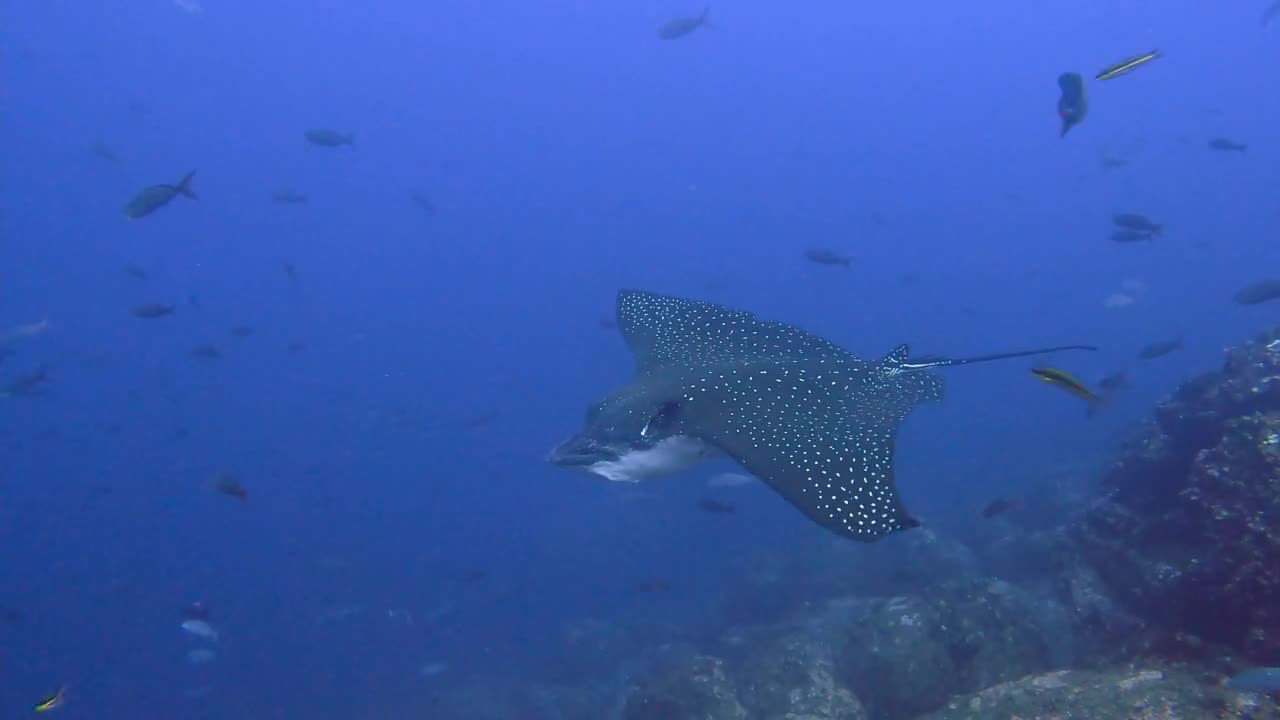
(793, 678)
(1189, 535)
(502, 699)
(1122, 694)
(684, 686)
(906, 655)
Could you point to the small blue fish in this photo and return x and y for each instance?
(329, 138)
(1263, 680)
(157, 196)
(680, 27)
(201, 629)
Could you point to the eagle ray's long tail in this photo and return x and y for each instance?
(934, 361)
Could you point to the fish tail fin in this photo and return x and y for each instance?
(1095, 404)
(184, 185)
(351, 138)
(1157, 230)
(705, 19)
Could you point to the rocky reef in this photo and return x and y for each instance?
(1129, 693)
(879, 659)
(1188, 536)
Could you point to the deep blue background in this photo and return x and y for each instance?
(569, 152)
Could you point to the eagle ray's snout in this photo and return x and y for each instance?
(575, 450)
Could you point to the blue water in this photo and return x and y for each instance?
(569, 153)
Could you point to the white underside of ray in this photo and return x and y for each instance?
(667, 457)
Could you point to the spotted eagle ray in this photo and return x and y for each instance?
(810, 419)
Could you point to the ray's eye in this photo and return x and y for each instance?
(662, 421)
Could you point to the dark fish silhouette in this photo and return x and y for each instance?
(1258, 292)
(104, 151)
(136, 272)
(1001, 506)
(26, 384)
(205, 351)
(1114, 382)
(799, 412)
(289, 197)
(1111, 162)
(823, 256)
(157, 196)
(329, 138)
(1226, 145)
(421, 200)
(1159, 349)
(1073, 103)
(152, 310)
(680, 27)
(1136, 222)
(715, 506)
(230, 486)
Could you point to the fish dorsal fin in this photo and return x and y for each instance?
(666, 332)
(903, 386)
(898, 356)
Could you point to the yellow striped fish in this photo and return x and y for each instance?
(1071, 384)
(1126, 65)
(52, 702)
